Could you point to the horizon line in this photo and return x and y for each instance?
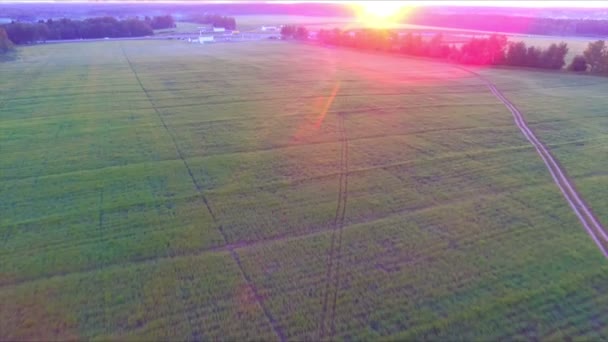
(549, 4)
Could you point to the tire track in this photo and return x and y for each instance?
(336, 241)
(340, 228)
(196, 333)
(591, 224)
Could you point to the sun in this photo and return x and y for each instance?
(380, 13)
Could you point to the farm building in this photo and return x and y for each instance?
(205, 39)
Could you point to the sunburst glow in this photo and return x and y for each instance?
(380, 13)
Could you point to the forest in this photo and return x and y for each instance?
(91, 28)
(513, 24)
(216, 20)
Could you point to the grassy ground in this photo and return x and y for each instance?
(171, 191)
(552, 103)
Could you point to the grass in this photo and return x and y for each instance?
(567, 113)
(161, 190)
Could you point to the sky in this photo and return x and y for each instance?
(491, 3)
(415, 3)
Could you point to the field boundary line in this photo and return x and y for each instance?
(168, 160)
(271, 320)
(360, 169)
(177, 149)
(368, 137)
(258, 243)
(240, 244)
(560, 178)
(188, 105)
(273, 323)
(195, 332)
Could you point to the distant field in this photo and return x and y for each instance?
(250, 22)
(269, 190)
(254, 23)
(181, 27)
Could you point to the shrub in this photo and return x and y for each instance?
(579, 63)
(5, 44)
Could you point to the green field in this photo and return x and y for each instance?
(248, 23)
(252, 22)
(269, 190)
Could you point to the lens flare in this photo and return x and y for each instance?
(380, 13)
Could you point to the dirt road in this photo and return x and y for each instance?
(580, 208)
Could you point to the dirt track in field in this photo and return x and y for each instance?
(591, 224)
(196, 333)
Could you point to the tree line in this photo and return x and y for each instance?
(101, 27)
(294, 31)
(160, 22)
(492, 50)
(596, 56)
(513, 24)
(216, 20)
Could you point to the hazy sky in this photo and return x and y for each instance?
(490, 3)
(494, 3)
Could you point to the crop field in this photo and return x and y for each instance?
(279, 191)
(253, 22)
(568, 113)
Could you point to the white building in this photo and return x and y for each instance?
(270, 28)
(205, 39)
(219, 29)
